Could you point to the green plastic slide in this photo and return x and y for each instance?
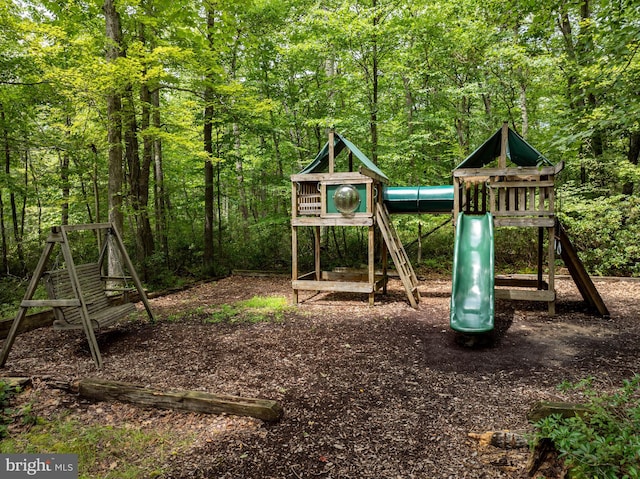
(472, 296)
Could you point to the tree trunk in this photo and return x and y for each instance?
(64, 177)
(409, 104)
(244, 210)
(3, 235)
(208, 250)
(114, 133)
(524, 112)
(3, 229)
(374, 89)
(145, 233)
(158, 173)
(12, 200)
(632, 155)
(209, 216)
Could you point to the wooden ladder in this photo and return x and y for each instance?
(398, 254)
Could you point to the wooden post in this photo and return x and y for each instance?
(552, 268)
(316, 251)
(540, 253)
(134, 275)
(294, 260)
(372, 266)
(294, 239)
(84, 312)
(331, 151)
(31, 289)
(419, 242)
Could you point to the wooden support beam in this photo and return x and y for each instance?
(196, 401)
(579, 273)
(335, 286)
(523, 295)
(331, 151)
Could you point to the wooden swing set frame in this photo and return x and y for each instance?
(77, 294)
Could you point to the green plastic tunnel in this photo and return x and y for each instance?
(419, 199)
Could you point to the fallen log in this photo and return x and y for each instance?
(544, 409)
(501, 439)
(195, 401)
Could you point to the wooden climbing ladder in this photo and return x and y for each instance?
(83, 304)
(398, 254)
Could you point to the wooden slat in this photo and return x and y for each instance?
(524, 172)
(500, 183)
(69, 316)
(523, 222)
(337, 220)
(519, 282)
(86, 227)
(506, 212)
(336, 286)
(49, 303)
(523, 295)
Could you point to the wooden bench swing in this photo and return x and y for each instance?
(77, 294)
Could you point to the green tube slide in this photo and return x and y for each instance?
(472, 295)
(418, 199)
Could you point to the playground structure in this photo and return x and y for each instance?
(504, 183)
(329, 198)
(78, 293)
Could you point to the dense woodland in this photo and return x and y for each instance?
(182, 120)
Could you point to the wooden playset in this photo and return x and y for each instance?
(504, 183)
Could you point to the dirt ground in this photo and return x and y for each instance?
(368, 392)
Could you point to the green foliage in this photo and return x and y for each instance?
(604, 443)
(604, 229)
(5, 395)
(416, 85)
(9, 415)
(103, 451)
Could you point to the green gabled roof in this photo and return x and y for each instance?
(519, 152)
(321, 162)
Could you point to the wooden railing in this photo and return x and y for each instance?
(514, 196)
(309, 198)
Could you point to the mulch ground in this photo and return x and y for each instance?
(368, 392)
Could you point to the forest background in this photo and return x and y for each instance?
(182, 120)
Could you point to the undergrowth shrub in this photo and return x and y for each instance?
(603, 443)
(5, 392)
(8, 414)
(604, 230)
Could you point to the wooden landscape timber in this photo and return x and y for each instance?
(194, 401)
(30, 322)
